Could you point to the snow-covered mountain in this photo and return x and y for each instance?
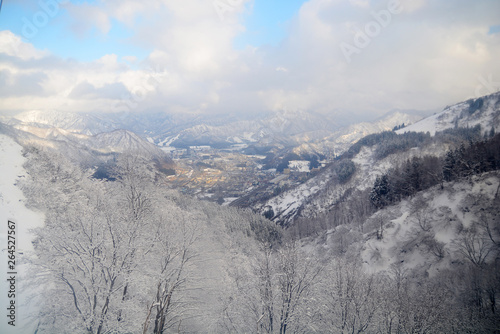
(279, 129)
(307, 132)
(484, 111)
(122, 141)
(89, 124)
(319, 195)
(416, 258)
(339, 141)
(85, 149)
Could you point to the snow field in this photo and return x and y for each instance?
(12, 207)
(448, 213)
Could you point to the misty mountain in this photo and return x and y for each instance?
(340, 140)
(305, 131)
(280, 129)
(123, 141)
(84, 149)
(88, 124)
(355, 171)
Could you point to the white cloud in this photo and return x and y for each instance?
(130, 59)
(361, 3)
(21, 84)
(426, 57)
(12, 45)
(85, 90)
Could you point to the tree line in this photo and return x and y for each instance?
(422, 173)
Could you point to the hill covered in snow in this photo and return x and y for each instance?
(484, 111)
(84, 149)
(356, 170)
(305, 132)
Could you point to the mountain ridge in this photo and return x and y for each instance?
(319, 194)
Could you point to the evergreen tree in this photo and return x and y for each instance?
(449, 166)
(415, 176)
(380, 195)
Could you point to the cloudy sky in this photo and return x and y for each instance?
(342, 57)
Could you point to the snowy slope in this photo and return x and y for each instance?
(448, 211)
(346, 137)
(484, 111)
(286, 205)
(12, 207)
(83, 148)
(318, 194)
(339, 141)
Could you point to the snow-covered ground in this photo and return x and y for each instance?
(299, 166)
(286, 204)
(447, 210)
(459, 115)
(12, 207)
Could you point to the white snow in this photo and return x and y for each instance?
(459, 114)
(229, 200)
(12, 207)
(168, 149)
(234, 139)
(446, 213)
(169, 140)
(299, 166)
(427, 124)
(249, 136)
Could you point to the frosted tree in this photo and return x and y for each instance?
(350, 300)
(380, 196)
(113, 255)
(86, 253)
(277, 295)
(297, 275)
(475, 245)
(168, 269)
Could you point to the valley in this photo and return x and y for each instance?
(389, 209)
(222, 159)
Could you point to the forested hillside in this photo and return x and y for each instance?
(351, 175)
(129, 256)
